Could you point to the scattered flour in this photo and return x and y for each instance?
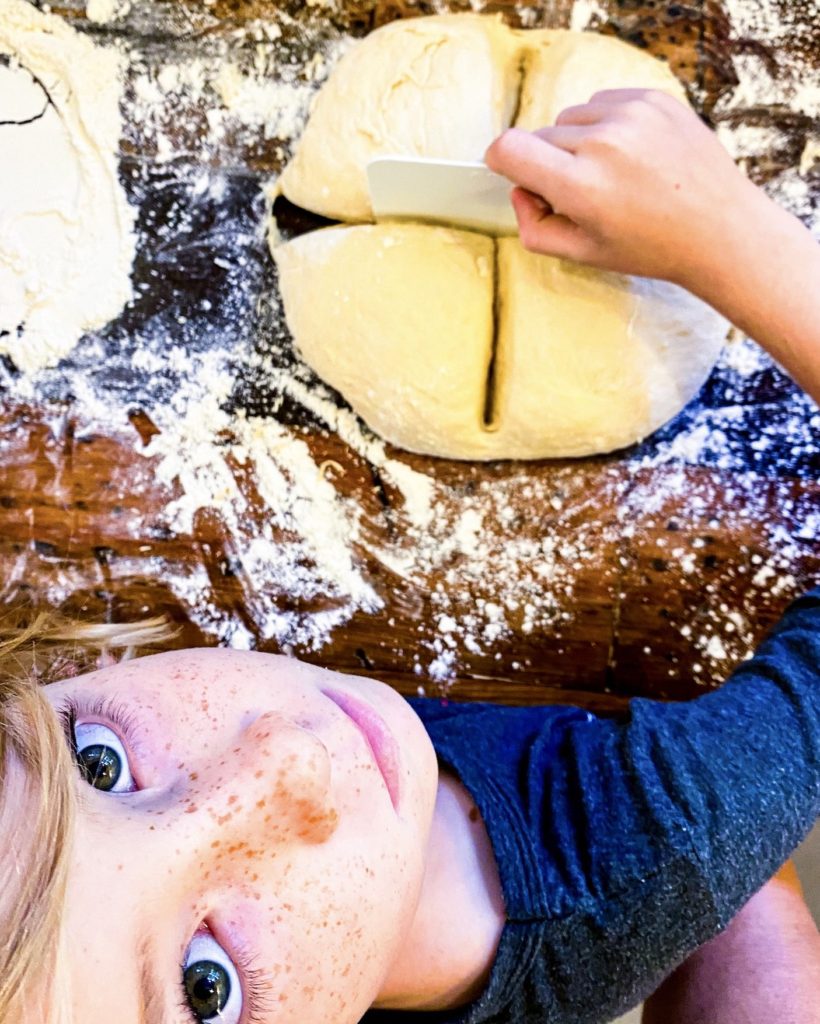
(776, 102)
(239, 100)
(491, 557)
(586, 14)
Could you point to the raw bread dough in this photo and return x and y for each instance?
(66, 242)
(403, 319)
(400, 319)
(411, 309)
(564, 69)
(442, 86)
(446, 86)
(588, 361)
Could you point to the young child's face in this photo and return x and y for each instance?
(260, 853)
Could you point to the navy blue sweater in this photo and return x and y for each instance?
(622, 846)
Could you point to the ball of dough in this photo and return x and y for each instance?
(441, 86)
(399, 319)
(449, 343)
(564, 69)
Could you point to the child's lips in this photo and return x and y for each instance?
(379, 738)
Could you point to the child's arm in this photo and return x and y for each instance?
(664, 826)
(765, 967)
(634, 182)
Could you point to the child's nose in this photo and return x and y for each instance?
(271, 786)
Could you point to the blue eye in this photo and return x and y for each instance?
(211, 982)
(101, 758)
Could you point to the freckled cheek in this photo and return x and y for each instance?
(318, 960)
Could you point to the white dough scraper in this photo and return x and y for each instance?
(460, 193)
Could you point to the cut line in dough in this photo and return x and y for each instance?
(490, 407)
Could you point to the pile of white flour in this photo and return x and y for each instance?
(66, 242)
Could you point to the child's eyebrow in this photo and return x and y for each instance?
(153, 1004)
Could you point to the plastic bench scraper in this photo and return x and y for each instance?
(464, 194)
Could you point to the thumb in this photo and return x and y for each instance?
(543, 231)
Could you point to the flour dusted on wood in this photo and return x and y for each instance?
(467, 564)
(66, 242)
(236, 97)
(776, 100)
(305, 548)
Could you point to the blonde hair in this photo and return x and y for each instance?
(37, 799)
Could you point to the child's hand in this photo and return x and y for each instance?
(632, 182)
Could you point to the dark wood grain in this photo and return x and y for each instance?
(80, 508)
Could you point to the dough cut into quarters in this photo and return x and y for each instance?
(399, 319)
(449, 343)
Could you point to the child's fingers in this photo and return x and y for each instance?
(583, 114)
(612, 97)
(543, 231)
(567, 138)
(528, 206)
(604, 103)
(530, 162)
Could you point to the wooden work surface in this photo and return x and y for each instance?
(679, 547)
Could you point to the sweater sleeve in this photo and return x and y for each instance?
(622, 846)
(657, 830)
